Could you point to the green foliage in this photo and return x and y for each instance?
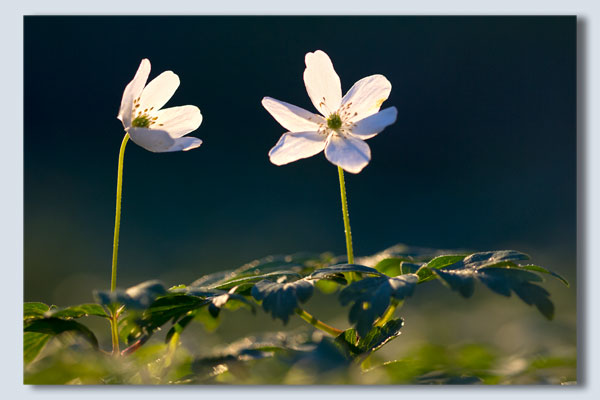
(136, 297)
(281, 299)
(498, 271)
(33, 344)
(281, 284)
(371, 298)
(373, 340)
(82, 310)
(55, 326)
(34, 310)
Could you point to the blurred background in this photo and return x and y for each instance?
(482, 156)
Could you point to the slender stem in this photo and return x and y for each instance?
(389, 313)
(113, 278)
(346, 216)
(318, 324)
(351, 275)
(114, 328)
(114, 332)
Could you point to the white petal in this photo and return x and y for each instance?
(185, 144)
(178, 121)
(368, 127)
(133, 91)
(322, 83)
(159, 91)
(153, 140)
(366, 96)
(297, 145)
(292, 118)
(350, 153)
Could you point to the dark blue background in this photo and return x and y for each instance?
(482, 156)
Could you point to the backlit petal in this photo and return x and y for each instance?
(153, 140)
(368, 127)
(292, 118)
(366, 96)
(350, 153)
(297, 145)
(185, 144)
(322, 83)
(133, 91)
(159, 91)
(178, 121)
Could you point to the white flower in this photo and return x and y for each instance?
(345, 122)
(150, 127)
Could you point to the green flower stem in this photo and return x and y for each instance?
(346, 215)
(389, 313)
(114, 333)
(113, 278)
(318, 324)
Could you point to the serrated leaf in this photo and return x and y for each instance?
(33, 344)
(425, 272)
(402, 252)
(294, 263)
(335, 272)
(543, 270)
(218, 298)
(280, 299)
(82, 310)
(373, 340)
(249, 280)
(139, 328)
(56, 326)
(371, 297)
(500, 274)
(138, 297)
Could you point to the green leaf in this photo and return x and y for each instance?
(218, 298)
(79, 311)
(248, 281)
(280, 299)
(294, 263)
(34, 310)
(249, 349)
(137, 297)
(425, 272)
(409, 268)
(170, 307)
(371, 297)
(543, 270)
(33, 344)
(376, 338)
(56, 326)
(500, 274)
(335, 272)
(389, 266)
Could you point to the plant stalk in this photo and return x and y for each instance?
(318, 324)
(113, 277)
(114, 332)
(346, 215)
(389, 313)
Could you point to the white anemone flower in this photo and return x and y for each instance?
(150, 127)
(344, 124)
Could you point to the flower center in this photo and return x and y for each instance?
(334, 121)
(141, 122)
